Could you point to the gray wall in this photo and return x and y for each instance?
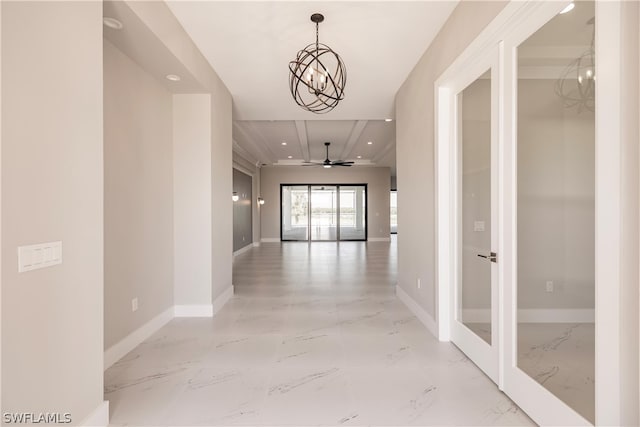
(138, 195)
(52, 318)
(250, 168)
(221, 188)
(556, 196)
(242, 210)
(415, 149)
(475, 145)
(158, 18)
(556, 200)
(192, 199)
(377, 178)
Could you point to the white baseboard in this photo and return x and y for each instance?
(270, 240)
(476, 315)
(222, 299)
(99, 417)
(379, 239)
(131, 341)
(204, 310)
(256, 244)
(193, 310)
(418, 311)
(243, 250)
(135, 338)
(535, 315)
(568, 315)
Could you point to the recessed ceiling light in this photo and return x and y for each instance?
(173, 77)
(112, 23)
(388, 120)
(359, 157)
(568, 8)
(289, 157)
(369, 143)
(284, 143)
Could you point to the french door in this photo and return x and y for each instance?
(518, 211)
(323, 212)
(474, 310)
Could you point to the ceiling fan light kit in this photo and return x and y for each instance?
(327, 164)
(317, 76)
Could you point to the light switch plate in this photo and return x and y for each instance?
(33, 257)
(478, 226)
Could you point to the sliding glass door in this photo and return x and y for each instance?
(295, 212)
(353, 212)
(323, 212)
(393, 211)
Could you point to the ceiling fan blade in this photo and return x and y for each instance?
(328, 163)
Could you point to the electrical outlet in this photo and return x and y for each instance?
(134, 304)
(549, 286)
(243, 238)
(419, 284)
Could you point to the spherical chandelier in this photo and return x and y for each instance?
(577, 83)
(313, 84)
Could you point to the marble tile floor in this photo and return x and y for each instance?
(313, 336)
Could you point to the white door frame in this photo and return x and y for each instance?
(483, 354)
(514, 24)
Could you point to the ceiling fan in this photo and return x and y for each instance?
(328, 163)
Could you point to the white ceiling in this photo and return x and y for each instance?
(262, 141)
(250, 44)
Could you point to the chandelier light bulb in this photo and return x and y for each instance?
(576, 84)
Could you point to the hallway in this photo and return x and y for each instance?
(313, 336)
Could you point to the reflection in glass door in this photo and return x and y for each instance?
(473, 325)
(556, 216)
(323, 212)
(475, 162)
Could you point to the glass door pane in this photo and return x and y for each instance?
(295, 212)
(393, 199)
(353, 208)
(556, 208)
(474, 293)
(324, 212)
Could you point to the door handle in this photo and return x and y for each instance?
(493, 257)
